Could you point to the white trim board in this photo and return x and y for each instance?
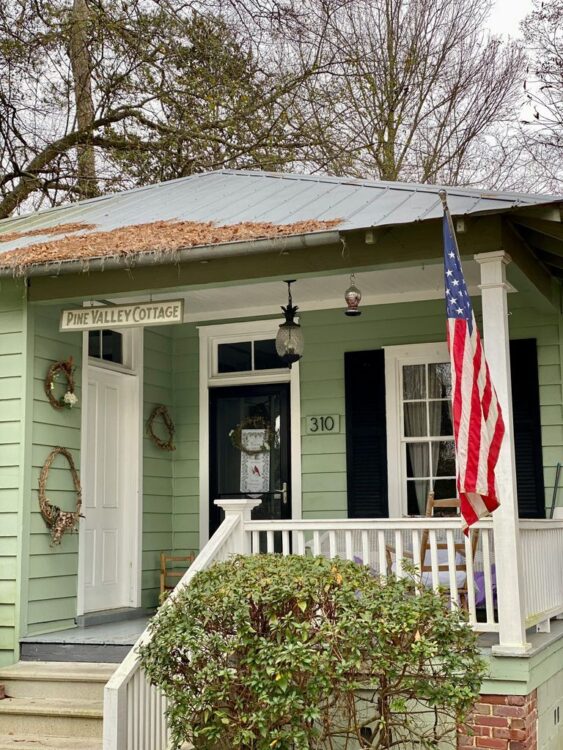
(255, 329)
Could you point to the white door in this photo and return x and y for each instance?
(106, 539)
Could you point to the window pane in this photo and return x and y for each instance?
(235, 357)
(112, 347)
(417, 495)
(266, 356)
(415, 420)
(94, 344)
(440, 418)
(443, 459)
(418, 464)
(440, 380)
(414, 381)
(444, 488)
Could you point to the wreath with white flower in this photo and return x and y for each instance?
(63, 369)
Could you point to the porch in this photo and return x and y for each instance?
(134, 710)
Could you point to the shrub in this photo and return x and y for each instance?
(281, 653)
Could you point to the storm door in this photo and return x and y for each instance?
(249, 451)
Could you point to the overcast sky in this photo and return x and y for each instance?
(507, 14)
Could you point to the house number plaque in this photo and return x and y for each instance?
(323, 423)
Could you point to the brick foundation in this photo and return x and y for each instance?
(501, 722)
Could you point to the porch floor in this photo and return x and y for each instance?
(107, 642)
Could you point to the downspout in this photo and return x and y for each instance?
(183, 255)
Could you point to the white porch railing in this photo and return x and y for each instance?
(542, 568)
(134, 711)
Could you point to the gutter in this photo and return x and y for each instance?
(202, 254)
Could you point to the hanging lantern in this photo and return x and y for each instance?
(353, 296)
(289, 340)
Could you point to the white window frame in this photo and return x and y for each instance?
(129, 350)
(209, 338)
(396, 357)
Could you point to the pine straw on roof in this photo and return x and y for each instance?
(157, 237)
(76, 226)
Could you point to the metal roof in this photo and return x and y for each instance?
(231, 196)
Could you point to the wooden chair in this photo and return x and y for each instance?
(171, 571)
(445, 507)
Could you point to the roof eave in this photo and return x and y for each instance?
(199, 254)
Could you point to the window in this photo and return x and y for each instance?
(427, 433)
(247, 356)
(106, 345)
(420, 442)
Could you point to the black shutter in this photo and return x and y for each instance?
(527, 428)
(366, 440)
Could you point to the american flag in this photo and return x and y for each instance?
(477, 417)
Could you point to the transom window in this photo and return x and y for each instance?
(106, 345)
(428, 444)
(248, 356)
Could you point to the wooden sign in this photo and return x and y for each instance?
(323, 424)
(162, 313)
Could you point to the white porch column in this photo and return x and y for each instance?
(510, 594)
(242, 508)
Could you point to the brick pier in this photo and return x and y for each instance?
(501, 722)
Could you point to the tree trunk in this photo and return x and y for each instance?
(81, 65)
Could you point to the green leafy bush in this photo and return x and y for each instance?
(281, 653)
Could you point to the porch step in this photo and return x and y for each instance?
(68, 680)
(47, 743)
(53, 705)
(52, 718)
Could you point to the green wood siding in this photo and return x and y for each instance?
(53, 571)
(186, 457)
(13, 350)
(157, 463)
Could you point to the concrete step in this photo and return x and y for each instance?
(54, 680)
(47, 743)
(48, 717)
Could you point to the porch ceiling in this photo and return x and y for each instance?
(378, 287)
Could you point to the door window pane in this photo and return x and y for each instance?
(94, 349)
(112, 347)
(235, 357)
(106, 345)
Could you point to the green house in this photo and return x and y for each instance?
(138, 332)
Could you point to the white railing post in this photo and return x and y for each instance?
(242, 508)
(508, 554)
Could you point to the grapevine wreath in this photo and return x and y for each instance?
(253, 423)
(59, 521)
(161, 411)
(66, 369)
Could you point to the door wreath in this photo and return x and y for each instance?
(161, 411)
(253, 423)
(57, 520)
(66, 369)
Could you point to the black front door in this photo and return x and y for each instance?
(249, 449)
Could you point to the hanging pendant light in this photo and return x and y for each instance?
(289, 340)
(353, 296)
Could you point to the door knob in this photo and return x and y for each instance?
(282, 493)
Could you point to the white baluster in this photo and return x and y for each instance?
(399, 553)
(316, 543)
(434, 559)
(366, 557)
(270, 542)
(332, 543)
(488, 577)
(470, 582)
(348, 544)
(285, 542)
(382, 551)
(452, 565)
